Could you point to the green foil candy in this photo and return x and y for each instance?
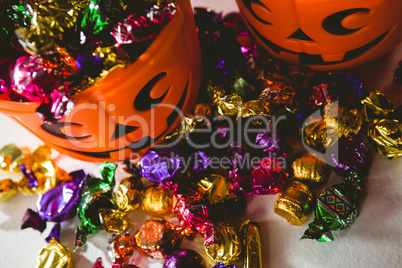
(96, 196)
(337, 208)
(98, 15)
(15, 14)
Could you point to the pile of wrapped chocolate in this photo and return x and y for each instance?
(244, 89)
(55, 49)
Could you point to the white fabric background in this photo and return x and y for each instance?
(374, 240)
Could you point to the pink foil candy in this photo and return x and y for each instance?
(192, 211)
(56, 106)
(34, 78)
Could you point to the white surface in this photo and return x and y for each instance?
(374, 240)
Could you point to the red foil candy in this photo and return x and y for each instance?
(267, 177)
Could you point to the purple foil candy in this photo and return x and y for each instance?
(201, 161)
(236, 155)
(267, 142)
(350, 155)
(184, 258)
(56, 106)
(221, 265)
(29, 174)
(54, 233)
(161, 165)
(60, 203)
(31, 219)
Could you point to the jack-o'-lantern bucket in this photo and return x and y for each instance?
(132, 108)
(324, 34)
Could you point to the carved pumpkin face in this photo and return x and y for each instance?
(324, 34)
(133, 107)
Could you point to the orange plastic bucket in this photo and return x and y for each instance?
(133, 107)
(324, 34)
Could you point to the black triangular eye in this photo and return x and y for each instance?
(333, 23)
(300, 35)
(122, 130)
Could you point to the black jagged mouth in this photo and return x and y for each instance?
(141, 144)
(316, 59)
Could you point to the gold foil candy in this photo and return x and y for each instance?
(251, 244)
(158, 202)
(116, 221)
(295, 203)
(230, 105)
(387, 137)
(128, 194)
(226, 246)
(7, 189)
(214, 93)
(376, 106)
(48, 174)
(112, 58)
(310, 170)
(51, 20)
(11, 157)
(252, 108)
(347, 121)
(53, 255)
(215, 187)
(23, 188)
(319, 135)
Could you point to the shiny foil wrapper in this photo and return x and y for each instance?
(158, 202)
(225, 246)
(252, 108)
(295, 203)
(121, 248)
(116, 221)
(386, 135)
(319, 135)
(230, 105)
(7, 189)
(184, 258)
(376, 106)
(251, 244)
(129, 193)
(96, 197)
(241, 87)
(215, 188)
(51, 20)
(158, 238)
(337, 208)
(310, 170)
(161, 165)
(11, 157)
(53, 255)
(192, 212)
(350, 155)
(348, 122)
